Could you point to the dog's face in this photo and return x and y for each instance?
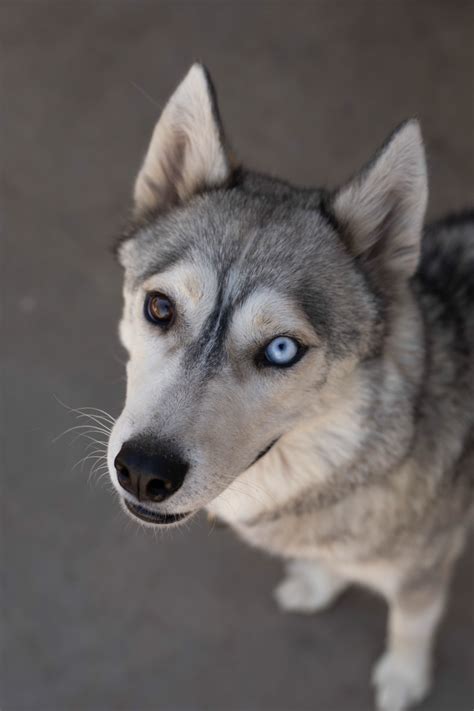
(246, 303)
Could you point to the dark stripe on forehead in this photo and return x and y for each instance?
(207, 352)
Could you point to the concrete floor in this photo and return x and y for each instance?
(98, 615)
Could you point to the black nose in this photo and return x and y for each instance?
(151, 471)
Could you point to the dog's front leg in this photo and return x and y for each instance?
(309, 586)
(402, 676)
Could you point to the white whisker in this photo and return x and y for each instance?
(87, 458)
(89, 428)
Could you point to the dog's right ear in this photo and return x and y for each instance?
(187, 153)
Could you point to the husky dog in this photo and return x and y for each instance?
(301, 366)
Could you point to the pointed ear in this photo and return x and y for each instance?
(381, 210)
(187, 152)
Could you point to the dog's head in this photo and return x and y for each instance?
(247, 302)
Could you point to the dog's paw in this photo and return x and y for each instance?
(307, 589)
(399, 683)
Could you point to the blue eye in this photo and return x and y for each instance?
(282, 351)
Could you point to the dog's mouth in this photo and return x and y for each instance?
(264, 451)
(159, 519)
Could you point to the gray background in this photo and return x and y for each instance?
(97, 614)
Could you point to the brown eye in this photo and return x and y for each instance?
(159, 309)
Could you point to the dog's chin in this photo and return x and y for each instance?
(153, 518)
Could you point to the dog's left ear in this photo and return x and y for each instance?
(187, 152)
(381, 210)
